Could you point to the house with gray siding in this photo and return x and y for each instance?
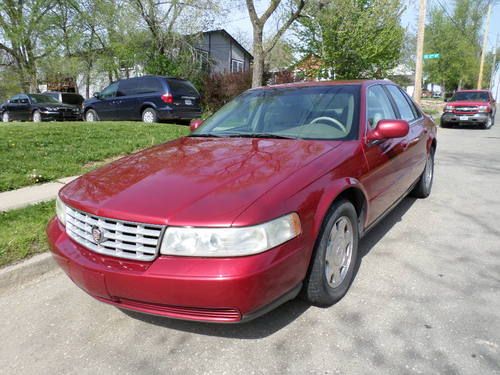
(222, 53)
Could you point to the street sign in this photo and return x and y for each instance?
(429, 56)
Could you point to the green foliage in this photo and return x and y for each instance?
(353, 38)
(457, 38)
(31, 153)
(22, 232)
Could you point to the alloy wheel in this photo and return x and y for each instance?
(148, 117)
(339, 251)
(89, 117)
(5, 117)
(37, 117)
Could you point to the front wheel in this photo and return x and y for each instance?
(5, 117)
(489, 123)
(37, 116)
(149, 116)
(91, 116)
(335, 258)
(424, 185)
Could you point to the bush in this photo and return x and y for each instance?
(220, 88)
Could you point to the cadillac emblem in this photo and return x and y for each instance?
(97, 235)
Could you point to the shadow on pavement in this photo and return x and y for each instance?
(279, 318)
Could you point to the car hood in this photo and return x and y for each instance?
(215, 179)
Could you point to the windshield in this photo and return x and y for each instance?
(471, 95)
(325, 112)
(39, 98)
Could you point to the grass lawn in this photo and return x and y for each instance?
(38, 152)
(22, 232)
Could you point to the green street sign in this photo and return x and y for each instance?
(429, 56)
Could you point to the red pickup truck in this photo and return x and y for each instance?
(470, 107)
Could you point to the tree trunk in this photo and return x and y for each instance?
(258, 59)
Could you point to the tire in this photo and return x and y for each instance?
(324, 286)
(424, 185)
(489, 123)
(444, 124)
(91, 116)
(149, 116)
(37, 116)
(5, 117)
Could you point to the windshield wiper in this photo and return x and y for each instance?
(260, 135)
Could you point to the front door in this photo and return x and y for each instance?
(106, 106)
(384, 158)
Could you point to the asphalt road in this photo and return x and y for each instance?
(426, 300)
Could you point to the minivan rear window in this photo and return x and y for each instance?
(182, 88)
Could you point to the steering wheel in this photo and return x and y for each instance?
(336, 122)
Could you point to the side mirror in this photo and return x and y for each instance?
(195, 124)
(387, 129)
(97, 95)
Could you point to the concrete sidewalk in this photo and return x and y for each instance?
(29, 195)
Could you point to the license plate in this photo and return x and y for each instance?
(188, 102)
(464, 118)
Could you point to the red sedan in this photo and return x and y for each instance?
(268, 197)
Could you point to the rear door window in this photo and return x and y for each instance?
(182, 88)
(405, 111)
(147, 85)
(128, 87)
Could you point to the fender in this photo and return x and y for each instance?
(336, 189)
(148, 104)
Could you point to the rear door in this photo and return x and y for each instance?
(186, 97)
(384, 158)
(24, 108)
(127, 99)
(415, 143)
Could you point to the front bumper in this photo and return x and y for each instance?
(221, 290)
(466, 119)
(58, 116)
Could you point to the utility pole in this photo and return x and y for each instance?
(485, 45)
(417, 93)
(493, 67)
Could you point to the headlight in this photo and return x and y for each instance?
(222, 242)
(448, 108)
(483, 108)
(61, 211)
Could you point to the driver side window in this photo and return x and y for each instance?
(109, 91)
(378, 106)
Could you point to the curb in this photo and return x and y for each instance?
(12, 276)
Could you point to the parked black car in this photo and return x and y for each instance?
(38, 107)
(148, 98)
(67, 97)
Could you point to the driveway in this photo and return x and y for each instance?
(426, 300)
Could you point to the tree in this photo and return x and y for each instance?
(293, 9)
(22, 25)
(353, 38)
(456, 37)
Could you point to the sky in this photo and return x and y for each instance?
(238, 22)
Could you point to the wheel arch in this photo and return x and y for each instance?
(348, 189)
(147, 105)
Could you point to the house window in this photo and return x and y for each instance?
(236, 66)
(202, 59)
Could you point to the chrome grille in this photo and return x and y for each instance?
(119, 238)
(466, 109)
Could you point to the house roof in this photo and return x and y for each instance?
(223, 31)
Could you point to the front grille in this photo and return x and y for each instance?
(118, 238)
(466, 109)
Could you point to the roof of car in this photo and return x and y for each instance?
(363, 82)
